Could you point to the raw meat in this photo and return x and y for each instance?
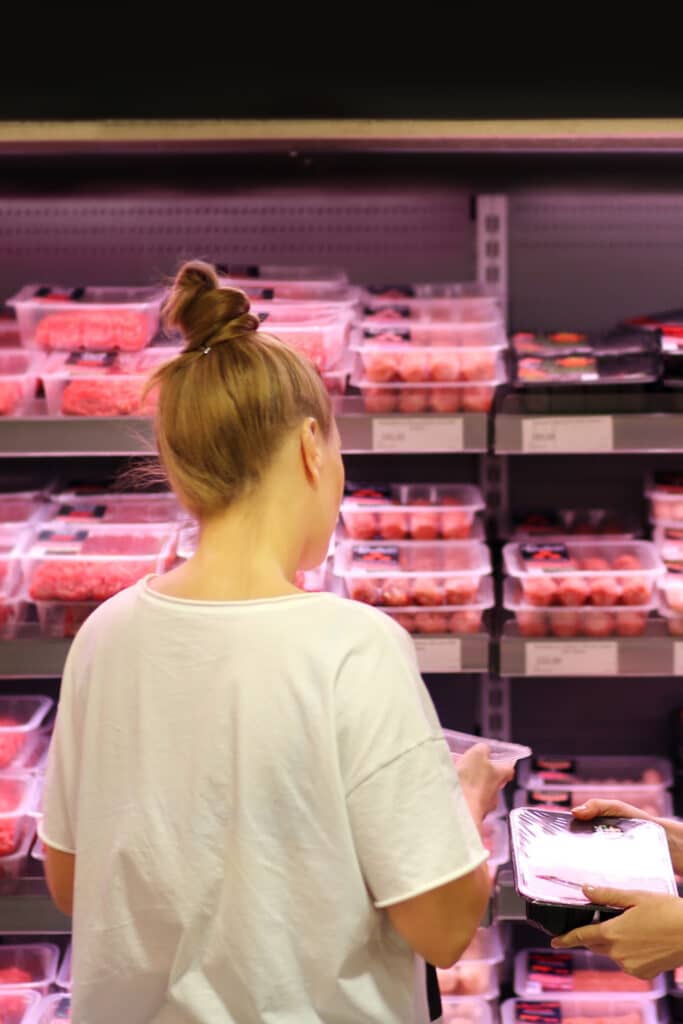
(466, 621)
(11, 394)
(456, 524)
(445, 366)
(445, 399)
(74, 580)
(11, 743)
(460, 589)
(361, 525)
(424, 525)
(380, 366)
(395, 592)
(428, 591)
(598, 624)
(635, 590)
(15, 976)
(595, 980)
(405, 619)
(477, 399)
(631, 623)
(431, 622)
(363, 590)
(380, 400)
(605, 591)
(477, 365)
(393, 525)
(106, 396)
(539, 590)
(96, 331)
(572, 591)
(627, 563)
(594, 564)
(564, 623)
(533, 624)
(412, 400)
(413, 367)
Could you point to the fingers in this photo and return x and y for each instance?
(607, 809)
(590, 936)
(613, 897)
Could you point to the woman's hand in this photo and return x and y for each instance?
(646, 939)
(618, 809)
(482, 779)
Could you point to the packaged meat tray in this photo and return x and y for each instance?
(573, 573)
(63, 979)
(476, 972)
(414, 399)
(423, 290)
(311, 283)
(21, 718)
(32, 759)
(470, 305)
(19, 376)
(668, 326)
(668, 539)
(467, 1010)
(446, 618)
(619, 342)
(101, 383)
(464, 344)
(17, 1006)
(501, 751)
(657, 802)
(593, 369)
(403, 363)
(55, 1009)
(111, 508)
(587, 620)
(93, 319)
(406, 573)
(411, 511)
(556, 771)
(578, 1011)
(92, 563)
(13, 539)
(554, 855)
(579, 972)
(554, 524)
(29, 966)
(322, 342)
(13, 865)
(19, 508)
(671, 588)
(336, 379)
(494, 834)
(17, 802)
(665, 495)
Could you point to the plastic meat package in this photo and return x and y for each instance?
(310, 283)
(501, 751)
(476, 972)
(17, 1006)
(589, 620)
(28, 966)
(92, 319)
(410, 573)
(553, 524)
(475, 395)
(19, 376)
(19, 508)
(657, 802)
(17, 795)
(665, 495)
(579, 972)
(570, 1010)
(554, 855)
(55, 1009)
(623, 356)
(112, 508)
(387, 357)
(446, 618)
(102, 383)
(21, 718)
(564, 781)
(573, 573)
(468, 304)
(434, 340)
(411, 511)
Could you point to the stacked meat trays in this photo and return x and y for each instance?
(428, 348)
(665, 497)
(415, 552)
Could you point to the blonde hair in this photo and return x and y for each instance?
(228, 400)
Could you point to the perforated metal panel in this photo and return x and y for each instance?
(586, 259)
(398, 234)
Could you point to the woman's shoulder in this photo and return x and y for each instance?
(364, 620)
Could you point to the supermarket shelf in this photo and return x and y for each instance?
(32, 657)
(454, 654)
(30, 910)
(655, 653)
(360, 432)
(506, 904)
(585, 422)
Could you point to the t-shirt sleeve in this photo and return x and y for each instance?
(60, 796)
(411, 825)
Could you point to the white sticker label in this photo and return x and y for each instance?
(439, 653)
(575, 658)
(410, 434)
(678, 658)
(568, 434)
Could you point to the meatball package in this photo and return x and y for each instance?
(446, 618)
(93, 319)
(554, 856)
(555, 524)
(579, 972)
(411, 511)
(428, 394)
(101, 383)
(571, 1010)
(589, 620)
(19, 376)
(573, 573)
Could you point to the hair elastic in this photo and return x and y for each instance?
(206, 350)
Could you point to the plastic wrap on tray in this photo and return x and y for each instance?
(32, 965)
(573, 573)
(590, 369)
(112, 508)
(448, 618)
(439, 343)
(554, 855)
(101, 383)
(21, 718)
(411, 511)
(407, 573)
(19, 376)
(579, 973)
(323, 342)
(558, 1009)
(657, 802)
(92, 318)
(589, 620)
(621, 341)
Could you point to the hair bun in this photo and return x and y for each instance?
(203, 311)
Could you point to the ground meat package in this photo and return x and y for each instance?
(19, 376)
(570, 1010)
(101, 383)
(94, 319)
(111, 508)
(554, 855)
(580, 973)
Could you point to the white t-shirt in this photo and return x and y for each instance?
(245, 785)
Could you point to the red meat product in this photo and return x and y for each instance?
(598, 624)
(532, 624)
(97, 331)
(405, 619)
(652, 777)
(456, 524)
(635, 590)
(73, 580)
(466, 621)
(424, 525)
(594, 564)
(564, 624)
(11, 394)
(674, 596)
(477, 365)
(413, 367)
(445, 400)
(15, 976)
(10, 744)
(627, 563)
(364, 590)
(461, 589)
(631, 623)
(539, 590)
(106, 396)
(380, 366)
(412, 400)
(13, 1009)
(675, 626)
(380, 400)
(431, 622)
(572, 591)
(361, 525)
(393, 525)
(605, 591)
(427, 591)
(445, 366)
(395, 592)
(477, 399)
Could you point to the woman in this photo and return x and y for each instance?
(249, 783)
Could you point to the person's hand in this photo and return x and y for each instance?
(482, 779)
(618, 809)
(646, 939)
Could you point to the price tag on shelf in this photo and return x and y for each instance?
(418, 434)
(439, 653)
(572, 658)
(542, 435)
(678, 658)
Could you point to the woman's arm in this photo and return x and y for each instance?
(60, 869)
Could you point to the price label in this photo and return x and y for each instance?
(678, 658)
(568, 434)
(439, 653)
(410, 434)
(574, 658)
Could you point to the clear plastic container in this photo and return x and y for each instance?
(309, 282)
(12, 608)
(671, 588)
(403, 363)
(566, 622)
(573, 573)
(406, 573)
(29, 966)
(111, 508)
(95, 319)
(657, 802)
(393, 292)
(33, 757)
(449, 618)
(579, 972)
(668, 539)
(436, 342)
(18, 1005)
(101, 384)
(556, 771)
(61, 620)
(476, 972)
(18, 508)
(13, 865)
(412, 399)
(92, 563)
(577, 1011)
(586, 524)
(55, 1009)
(411, 511)
(17, 804)
(469, 305)
(21, 718)
(63, 979)
(459, 1010)
(19, 376)
(336, 379)
(494, 834)
(13, 539)
(323, 343)
(500, 751)
(665, 494)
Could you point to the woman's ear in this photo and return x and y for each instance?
(310, 449)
